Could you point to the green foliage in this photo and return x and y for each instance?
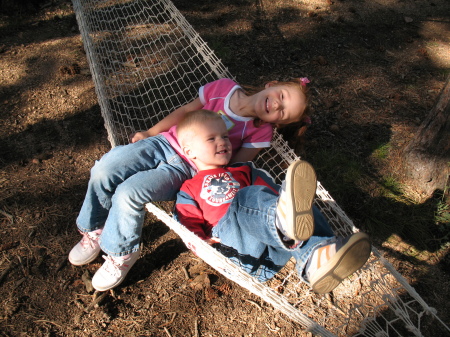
(442, 216)
(340, 172)
(382, 151)
(443, 213)
(391, 187)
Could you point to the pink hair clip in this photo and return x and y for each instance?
(304, 81)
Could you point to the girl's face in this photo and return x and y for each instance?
(280, 104)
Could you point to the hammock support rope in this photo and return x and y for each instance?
(146, 60)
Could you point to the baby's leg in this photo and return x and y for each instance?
(248, 232)
(325, 262)
(253, 210)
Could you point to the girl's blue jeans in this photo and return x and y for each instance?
(121, 183)
(248, 234)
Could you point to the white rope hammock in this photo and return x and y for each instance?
(146, 60)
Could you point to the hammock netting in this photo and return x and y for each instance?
(146, 60)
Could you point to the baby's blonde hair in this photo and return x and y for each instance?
(185, 130)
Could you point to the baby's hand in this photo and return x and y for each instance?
(209, 241)
(134, 137)
(212, 240)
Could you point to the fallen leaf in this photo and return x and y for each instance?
(200, 282)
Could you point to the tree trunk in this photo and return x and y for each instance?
(427, 157)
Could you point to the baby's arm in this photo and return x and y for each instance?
(189, 214)
(170, 120)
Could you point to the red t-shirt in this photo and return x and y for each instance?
(207, 197)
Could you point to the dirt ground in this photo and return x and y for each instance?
(376, 67)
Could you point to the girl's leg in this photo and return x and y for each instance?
(123, 227)
(113, 169)
(121, 235)
(122, 182)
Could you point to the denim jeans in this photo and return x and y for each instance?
(122, 182)
(249, 237)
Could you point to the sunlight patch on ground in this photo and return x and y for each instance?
(10, 74)
(397, 244)
(438, 46)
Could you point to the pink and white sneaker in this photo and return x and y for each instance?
(87, 249)
(113, 271)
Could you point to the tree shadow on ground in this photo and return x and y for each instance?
(339, 147)
(42, 139)
(346, 163)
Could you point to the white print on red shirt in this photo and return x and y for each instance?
(219, 188)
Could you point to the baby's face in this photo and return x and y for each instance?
(210, 147)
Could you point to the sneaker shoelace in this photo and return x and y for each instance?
(88, 240)
(113, 266)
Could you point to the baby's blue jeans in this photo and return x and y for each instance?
(249, 237)
(122, 182)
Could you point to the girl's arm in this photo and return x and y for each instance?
(245, 154)
(167, 122)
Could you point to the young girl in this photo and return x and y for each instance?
(153, 168)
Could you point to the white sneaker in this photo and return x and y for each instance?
(86, 250)
(113, 271)
(335, 261)
(295, 217)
